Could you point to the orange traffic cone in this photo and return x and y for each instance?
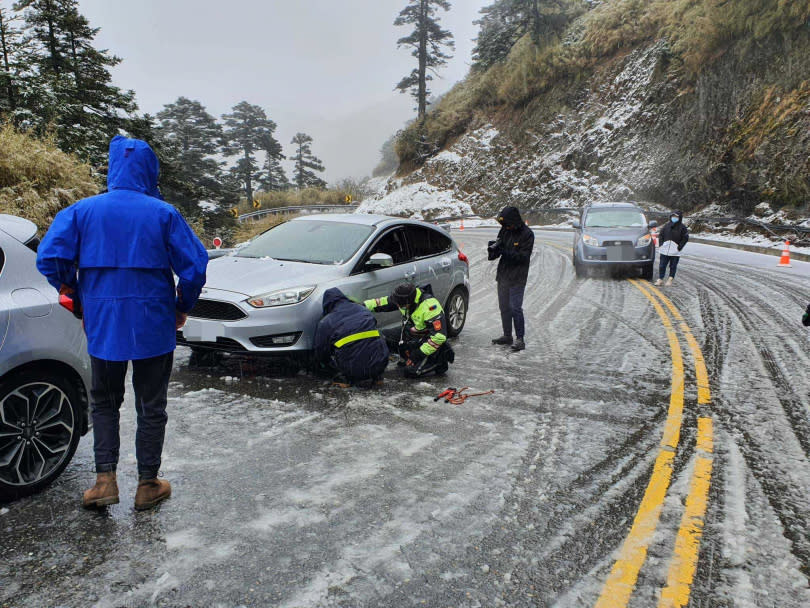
(784, 261)
(462, 224)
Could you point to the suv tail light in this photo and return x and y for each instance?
(463, 257)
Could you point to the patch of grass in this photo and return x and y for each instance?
(37, 180)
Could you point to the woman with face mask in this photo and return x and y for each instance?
(673, 239)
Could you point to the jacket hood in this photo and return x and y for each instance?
(132, 166)
(509, 217)
(330, 298)
(678, 213)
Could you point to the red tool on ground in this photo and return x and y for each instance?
(457, 397)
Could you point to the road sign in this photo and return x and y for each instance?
(257, 204)
(217, 242)
(234, 212)
(348, 198)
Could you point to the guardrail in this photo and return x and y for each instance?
(255, 215)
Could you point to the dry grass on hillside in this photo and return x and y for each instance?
(247, 230)
(37, 179)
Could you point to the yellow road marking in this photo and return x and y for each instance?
(619, 586)
(687, 545)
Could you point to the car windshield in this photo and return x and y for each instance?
(614, 218)
(310, 241)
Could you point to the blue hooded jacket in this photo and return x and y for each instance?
(118, 251)
(358, 360)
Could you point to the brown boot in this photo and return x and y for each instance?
(151, 492)
(104, 493)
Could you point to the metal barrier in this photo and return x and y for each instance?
(255, 215)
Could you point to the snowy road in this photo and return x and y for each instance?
(291, 493)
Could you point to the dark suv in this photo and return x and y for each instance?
(614, 235)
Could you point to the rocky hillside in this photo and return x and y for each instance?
(637, 101)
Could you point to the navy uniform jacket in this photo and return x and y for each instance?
(118, 251)
(344, 318)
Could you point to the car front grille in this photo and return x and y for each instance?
(217, 311)
(223, 344)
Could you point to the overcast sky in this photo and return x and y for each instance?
(325, 67)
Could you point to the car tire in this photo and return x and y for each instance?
(647, 271)
(579, 270)
(456, 310)
(35, 450)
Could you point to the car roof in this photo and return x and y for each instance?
(613, 206)
(363, 219)
(19, 228)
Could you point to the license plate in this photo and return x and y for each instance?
(618, 254)
(202, 331)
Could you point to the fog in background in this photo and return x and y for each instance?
(324, 67)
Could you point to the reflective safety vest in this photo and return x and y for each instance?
(365, 335)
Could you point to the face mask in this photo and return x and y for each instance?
(674, 219)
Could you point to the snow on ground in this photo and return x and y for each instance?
(758, 240)
(417, 201)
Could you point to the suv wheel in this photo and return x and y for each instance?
(456, 311)
(39, 431)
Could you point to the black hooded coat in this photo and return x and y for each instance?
(514, 248)
(677, 232)
(359, 360)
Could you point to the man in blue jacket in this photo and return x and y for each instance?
(115, 253)
(347, 339)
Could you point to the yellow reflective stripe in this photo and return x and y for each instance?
(427, 349)
(357, 337)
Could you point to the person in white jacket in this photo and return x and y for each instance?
(673, 238)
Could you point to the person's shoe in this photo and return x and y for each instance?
(519, 345)
(503, 341)
(669, 282)
(659, 282)
(103, 494)
(151, 492)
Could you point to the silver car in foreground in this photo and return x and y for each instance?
(44, 369)
(266, 297)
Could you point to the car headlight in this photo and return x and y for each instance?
(644, 241)
(590, 240)
(281, 297)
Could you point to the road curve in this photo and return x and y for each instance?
(291, 493)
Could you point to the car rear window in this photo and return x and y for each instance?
(310, 241)
(614, 218)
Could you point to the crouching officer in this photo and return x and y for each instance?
(423, 344)
(347, 340)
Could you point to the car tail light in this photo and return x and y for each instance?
(463, 257)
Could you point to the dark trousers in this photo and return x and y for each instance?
(672, 261)
(150, 379)
(510, 301)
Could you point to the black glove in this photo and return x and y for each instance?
(493, 249)
(806, 317)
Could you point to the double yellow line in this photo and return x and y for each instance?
(621, 582)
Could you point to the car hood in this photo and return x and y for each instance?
(616, 234)
(255, 276)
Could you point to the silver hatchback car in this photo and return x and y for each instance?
(44, 369)
(266, 298)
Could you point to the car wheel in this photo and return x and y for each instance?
(39, 431)
(579, 270)
(647, 271)
(456, 311)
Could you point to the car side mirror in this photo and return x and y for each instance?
(576, 225)
(653, 224)
(379, 260)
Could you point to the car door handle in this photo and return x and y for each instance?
(446, 263)
(410, 275)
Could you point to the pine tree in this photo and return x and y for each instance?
(504, 22)
(427, 41)
(306, 163)
(247, 131)
(273, 176)
(189, 137)
(78, 96)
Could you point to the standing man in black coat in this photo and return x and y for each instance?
(673, 238)
(514, 248)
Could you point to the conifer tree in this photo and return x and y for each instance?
(428, 41)
(273, 176)
(247, 131)
(306, 163)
